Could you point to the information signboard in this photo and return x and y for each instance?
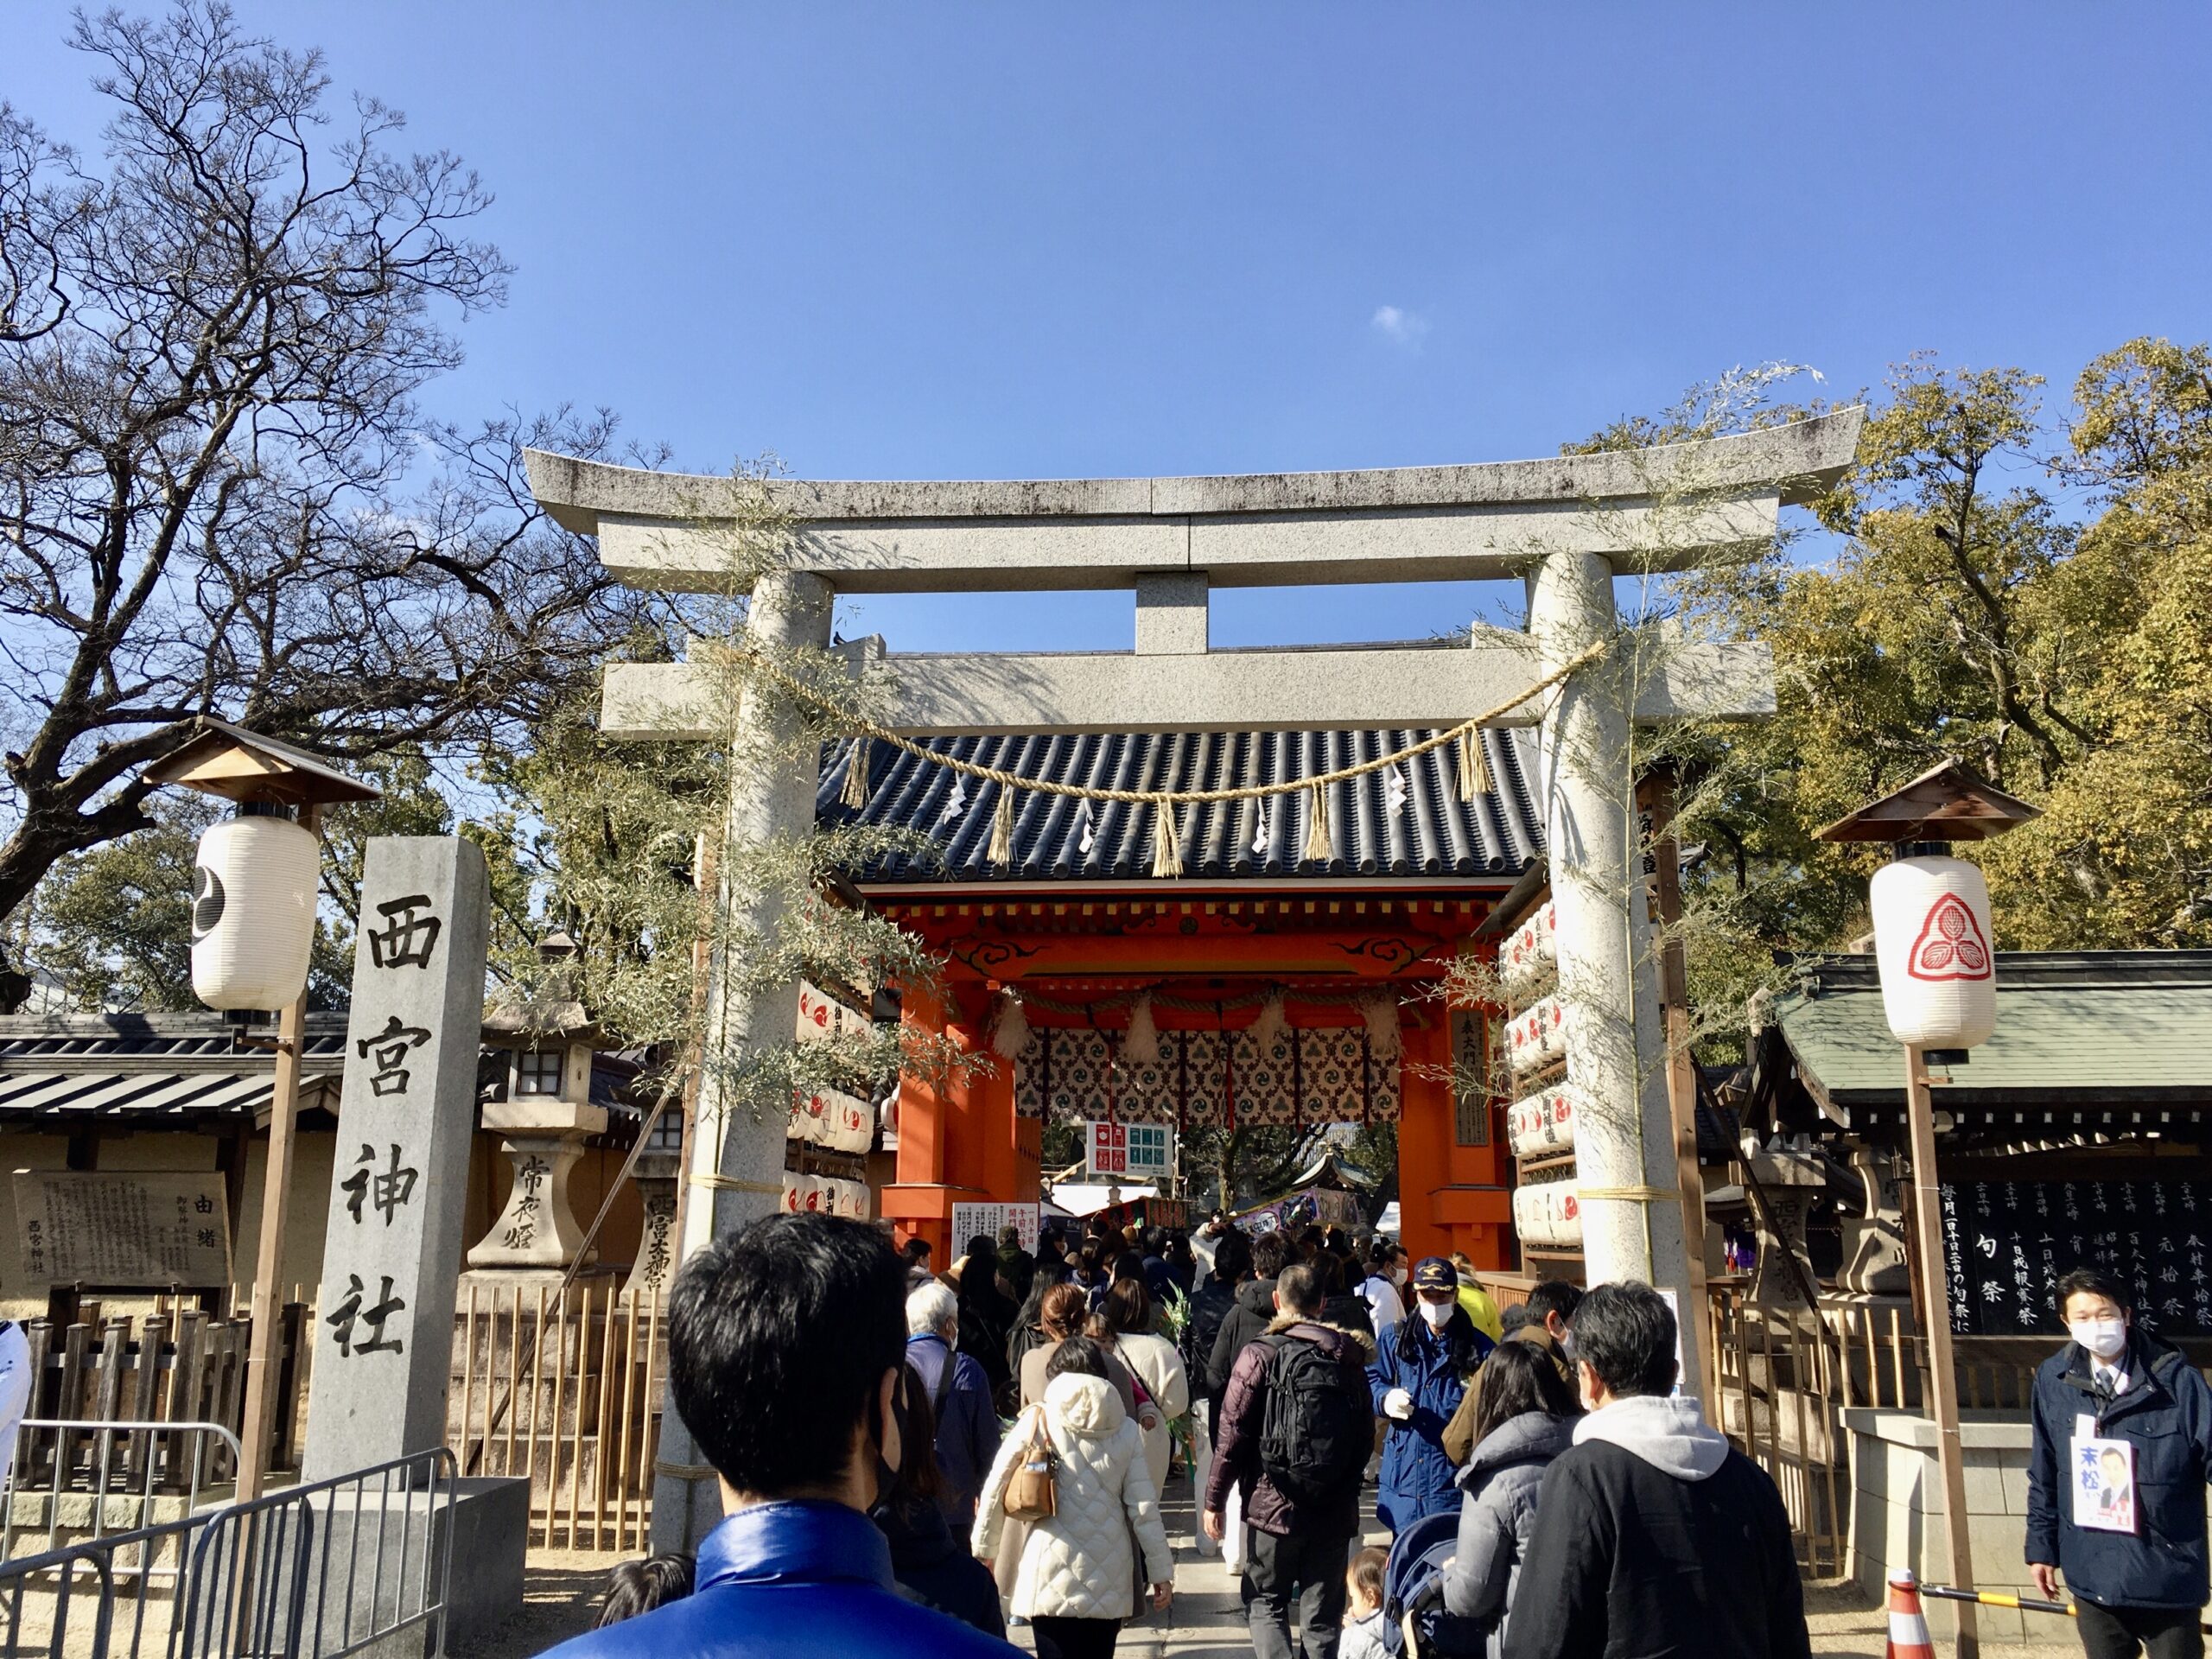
(151, 1229)
(2007, 1244)
(1137, 1151)
(971, 1219)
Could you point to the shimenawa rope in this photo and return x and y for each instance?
(1474, 774)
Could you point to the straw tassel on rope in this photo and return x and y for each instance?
(1001, 848)
(854, 793)
(1474, 764)
(1319, 849)
(1167, 845)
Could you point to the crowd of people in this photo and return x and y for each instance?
(908, 1461)
(920, 1456)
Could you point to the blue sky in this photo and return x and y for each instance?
(991, 240)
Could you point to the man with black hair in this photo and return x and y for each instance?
(1252, 1312)
(1545, 1318)
(1217, 1295)
(1653, 1534)
(786, 1357)
(1296, 1425)
(2118, 1396)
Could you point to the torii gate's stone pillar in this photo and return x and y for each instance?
(735, 1165)
(1616, 1042)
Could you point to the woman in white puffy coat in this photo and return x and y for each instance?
(1151, 1359)
(1075, 1575)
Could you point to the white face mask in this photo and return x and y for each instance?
(1439, 1315)
(2104, 1339)
(1397, 1275)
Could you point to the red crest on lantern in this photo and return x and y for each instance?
(1950, 944)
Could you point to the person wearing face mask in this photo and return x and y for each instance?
(1418, 1379)
(786, 1357)
(2133, 1558)
(1550, 1308)
(1381, 1290)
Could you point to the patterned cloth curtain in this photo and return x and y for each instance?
(1304, 1077)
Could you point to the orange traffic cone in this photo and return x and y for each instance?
(1908, 1625)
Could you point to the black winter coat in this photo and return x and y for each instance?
(1209, 1308)
(1626, 1561)
(935, 1570)
(1349, 1312)
(2166, 1414)
(1243, 1324)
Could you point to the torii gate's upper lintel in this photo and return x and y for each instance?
(1389, 525)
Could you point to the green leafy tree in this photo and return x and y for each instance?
(2033, 597)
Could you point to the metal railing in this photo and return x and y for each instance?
(91, 1478)
(66, 1601)
(312, 1571)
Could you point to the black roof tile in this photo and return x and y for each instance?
(1434, 833)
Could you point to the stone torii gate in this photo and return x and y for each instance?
(1566, 526)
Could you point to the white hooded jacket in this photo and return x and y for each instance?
(1082, 1562)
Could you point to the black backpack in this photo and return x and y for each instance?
(1319, 1427)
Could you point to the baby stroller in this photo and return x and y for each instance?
(1415, 1625)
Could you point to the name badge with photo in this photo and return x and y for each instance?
(2104, 1484)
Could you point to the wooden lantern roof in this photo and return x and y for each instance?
(1947, 803)
(224, 760)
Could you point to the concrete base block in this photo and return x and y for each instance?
(375, 1563)
(491, 1536)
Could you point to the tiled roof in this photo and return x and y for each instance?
(2075, 1030)
(182, 1066)
(1433, 832)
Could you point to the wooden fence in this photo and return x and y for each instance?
(566, 1391)
(1777, 1377)
(176, 1365)
(1785, 1379)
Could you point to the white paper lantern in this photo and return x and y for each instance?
(849, 1124)
(1565, 1204)
(1537, 1035)
(1528, 1215)
(1531, 949)
(810, 1120)
(1549, 1215)
(253, 890)
(1543, 1123)
(1931, 942)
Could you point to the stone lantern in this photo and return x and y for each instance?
(545, 1118)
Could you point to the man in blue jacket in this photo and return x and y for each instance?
(960, 1394)
(786, 1345)
(2130, 1415)
(1418, 1377)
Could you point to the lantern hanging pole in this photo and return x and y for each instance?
(269, 1249)
(1936, 1322)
